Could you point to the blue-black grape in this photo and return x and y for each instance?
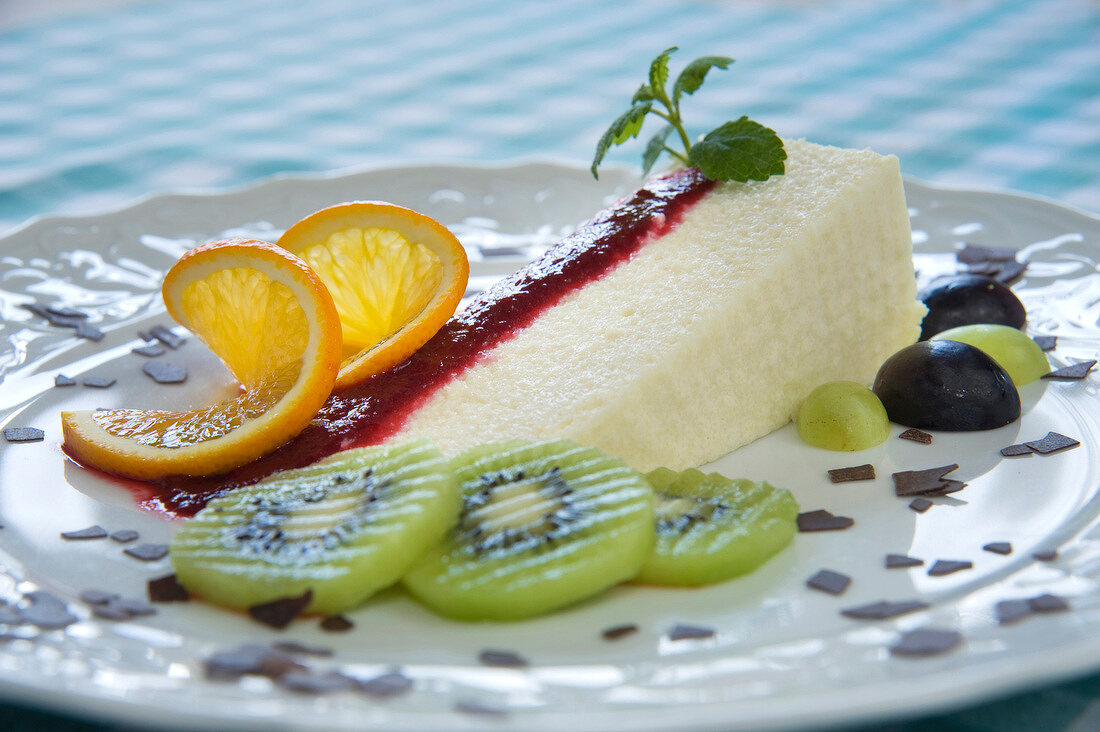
(968, 299)
(946, 385)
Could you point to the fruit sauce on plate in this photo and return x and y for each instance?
(369, 412)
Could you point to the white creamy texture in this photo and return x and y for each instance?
(711, 336)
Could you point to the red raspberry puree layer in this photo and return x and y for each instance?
(373, 410)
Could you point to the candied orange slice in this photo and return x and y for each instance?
(395, 275)
(270, 319)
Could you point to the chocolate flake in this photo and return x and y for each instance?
(336, 624)
(275, 665)
(1046, 342)
(998, 547)
(469, 706)
(1074, 371)
(898, 561)
(10, 615)
(502, 659)
(822, 520)
(857, 472)
(166, 589)
(1016, 450)
(99, 382)
(949, 566)
(302, 648)
(122, 608)
(236, 662)
(164, 373)
(920, 505)
(615, 632)
(928, 482)
(149, 350)
(829, 581)
(1053, 442)
(63, 380)
(1045, 555)
(124, 536)
(92, 532)
(1048, 603)
(166, 336)
(24, 434)
(308, 682)
(883, 609)
(973, 254)
(64, 311)
(914, 435)
(1010, 611)
(681, 631)
(926, 642)
(279, 613)
(97, 597)
(89, 331)
(386, 685)
(147, 552)
(47, 611)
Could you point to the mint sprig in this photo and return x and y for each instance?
(740, 150)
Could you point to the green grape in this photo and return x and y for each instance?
(1013, 349)
(844, 416)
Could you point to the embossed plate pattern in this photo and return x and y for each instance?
(782, 657)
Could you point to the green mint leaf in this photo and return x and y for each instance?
(658, 73)
(654, 148)
(741, 151)
(628, 125)
(644, 94)
(691, 78)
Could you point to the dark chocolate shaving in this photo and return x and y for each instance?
(279, 613)
(166, 336)
(336, 624)
(308, 682)
(681, 631)
(826, 580)
(926, 642)
(928, 482)
(914, 435)
(92, 532)
(973, 254)
(386, 685)
(125, 536)
(1010, 611)
(63, 380)
(10, 615)
(1046, 342)
(234, 663)
(46, 611)
(502, 659)
(1048, 603)
(93, 596)
(163, 372)
(302, 648)
(476, 708)
(122, 608)
(1016, 450)
(615, 632)
(24, 434)
(166, 589)
(998, 547)
(920, 505)
(822, 520)
(943, 567)
(89, 331)
(1045, 555)
(1053, 442)
(147, 552)
(883, 609)
(1073, 372)
(898, 561)
(856, 472)
(99, 382)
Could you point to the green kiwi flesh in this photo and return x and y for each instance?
(711, 528)
(344, 527)
(543, 525)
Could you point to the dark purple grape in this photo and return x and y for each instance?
(967, 300)
(946, 385)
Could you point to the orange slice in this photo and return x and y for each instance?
(395, 275)
(271, 320)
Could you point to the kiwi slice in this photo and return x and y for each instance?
(343, 527)
(543, 525)
(711, 528)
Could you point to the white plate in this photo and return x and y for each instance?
(783, 655)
